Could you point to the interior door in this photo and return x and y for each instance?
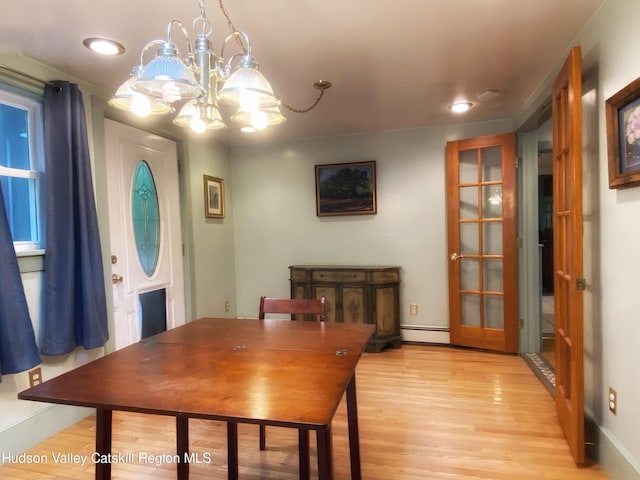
(568, 282)
(145, 232)
(481, 221)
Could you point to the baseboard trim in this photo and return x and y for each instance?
(615, 459)
(25, 435)
(425, 334)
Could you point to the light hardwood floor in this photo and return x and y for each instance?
(426, 413)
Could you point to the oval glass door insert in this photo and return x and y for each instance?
(145, 213)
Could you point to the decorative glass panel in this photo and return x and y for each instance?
(469, 238)
(491, 164)
(468, 160)
(470, 306)
(492, 201)
(492, 238)
(469, 202)
(492, 275)
(493, 311)
(469, 274)
(146, 217)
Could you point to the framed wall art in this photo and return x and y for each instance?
(213, 197)
(623, 136)
(346, 189)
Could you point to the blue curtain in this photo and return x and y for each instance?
(18, 350)
(75, 303)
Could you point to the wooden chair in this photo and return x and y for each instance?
(292, 306)
(308, 307)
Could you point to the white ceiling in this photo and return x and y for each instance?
(393, 64)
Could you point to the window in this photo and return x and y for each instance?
(21, 167)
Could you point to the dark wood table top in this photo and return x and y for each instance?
(273, 372)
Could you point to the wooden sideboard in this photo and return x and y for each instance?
(355, 294)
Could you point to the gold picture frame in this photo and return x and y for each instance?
(623, 136)
(213, 197)
(346, 189)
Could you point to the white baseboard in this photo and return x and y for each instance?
(44, 424)
(425, 334)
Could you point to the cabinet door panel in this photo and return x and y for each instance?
(329, 294)
(353, 305)
(386, 311)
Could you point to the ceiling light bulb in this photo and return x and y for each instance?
(259, 120)
(197, 124)
(140, 105)
(249, 101)
(460, 107)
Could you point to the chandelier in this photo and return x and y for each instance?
(200, 80)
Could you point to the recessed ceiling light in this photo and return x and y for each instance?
(103, 46)
(460, 107)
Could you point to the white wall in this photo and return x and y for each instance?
(275, 222)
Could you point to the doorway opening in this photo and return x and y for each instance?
(545, 236)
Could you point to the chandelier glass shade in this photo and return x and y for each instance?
(141, 105)
(201, 80)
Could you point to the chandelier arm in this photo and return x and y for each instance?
(239, 36)
(147, 47)
(186, 36)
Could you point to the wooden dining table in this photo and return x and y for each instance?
(265, 372)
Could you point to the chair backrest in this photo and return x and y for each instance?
(292, 306)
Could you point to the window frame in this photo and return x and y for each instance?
(32, 104)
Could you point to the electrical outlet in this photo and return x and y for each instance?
(35, 377)
(613, 401)
(413, 309)
(227, 306)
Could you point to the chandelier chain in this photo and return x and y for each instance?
(232, 28)
(230, 24)
(302, 110)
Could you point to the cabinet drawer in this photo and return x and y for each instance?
(338, 276)
(389, 276)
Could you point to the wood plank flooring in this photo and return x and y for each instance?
(426, 413)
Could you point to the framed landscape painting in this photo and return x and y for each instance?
(346, 189)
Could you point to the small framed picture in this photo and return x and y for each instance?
(346, 189)
(213, 197)
(623, 136)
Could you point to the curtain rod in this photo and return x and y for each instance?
(30, 77)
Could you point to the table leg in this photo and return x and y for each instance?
(232, 450)
(182, 446)
(325, 454)
(354, 435)
(303, 454)
(103, 443)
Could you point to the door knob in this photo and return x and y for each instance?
(455, 256)
(115, 278)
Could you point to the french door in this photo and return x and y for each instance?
(567, 261)
(481, 222)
